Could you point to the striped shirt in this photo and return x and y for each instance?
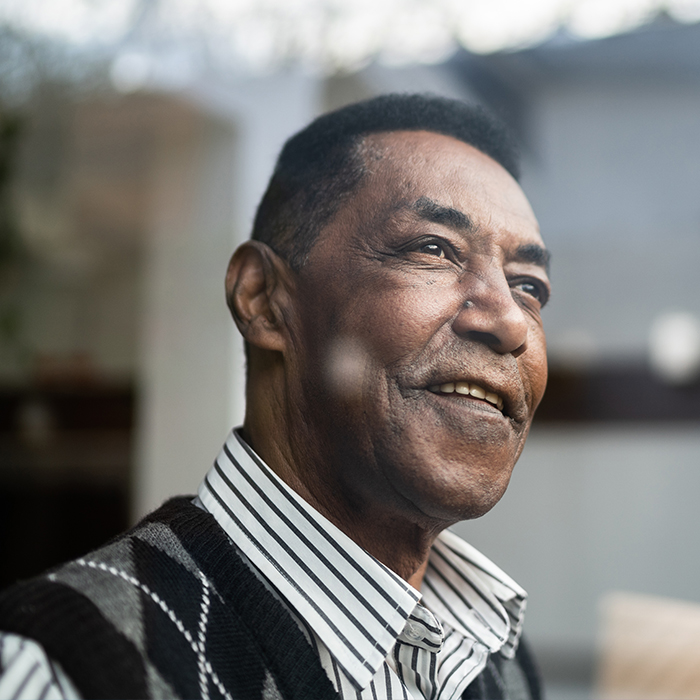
(27, 672)
(376, 636)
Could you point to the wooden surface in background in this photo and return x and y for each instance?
(650, 648)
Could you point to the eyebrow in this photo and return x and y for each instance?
(535, 254)
(430, 210)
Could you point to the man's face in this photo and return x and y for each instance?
(418, 353)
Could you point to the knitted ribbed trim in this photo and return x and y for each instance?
(291, 660)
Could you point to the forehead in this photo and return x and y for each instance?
(407, 169)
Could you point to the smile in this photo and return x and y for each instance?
(468, 389)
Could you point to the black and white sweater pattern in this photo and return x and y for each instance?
(169, 610)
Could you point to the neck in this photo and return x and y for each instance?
(402, 547)
(364, 507)
(399, 543)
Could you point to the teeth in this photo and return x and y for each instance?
(477, 392)
(467, 389)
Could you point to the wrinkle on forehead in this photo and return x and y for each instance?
(409, 166)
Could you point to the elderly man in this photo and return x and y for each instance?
(390, 303)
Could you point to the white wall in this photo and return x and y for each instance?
(614, 183)
(185, 339)
(208, 184)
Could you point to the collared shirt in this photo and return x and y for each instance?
(376, 636)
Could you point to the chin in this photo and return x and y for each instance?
(449, 498)
(466, 509)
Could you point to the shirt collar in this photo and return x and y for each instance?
(471, 594)
(356, 605)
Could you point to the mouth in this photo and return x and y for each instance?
(474, 391)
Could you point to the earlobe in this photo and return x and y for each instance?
(256, 293)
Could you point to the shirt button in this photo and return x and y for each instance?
(412, 631)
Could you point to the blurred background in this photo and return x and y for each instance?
(136, 137)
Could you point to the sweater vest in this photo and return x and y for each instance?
(170, 610)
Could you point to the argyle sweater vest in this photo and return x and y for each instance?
(169, 610)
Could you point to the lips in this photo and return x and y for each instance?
(491, 381)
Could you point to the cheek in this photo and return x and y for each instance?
(398, 323)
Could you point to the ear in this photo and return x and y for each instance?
(257, 292)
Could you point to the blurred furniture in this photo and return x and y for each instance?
(649, 648)
(614, 394)
(65, 468)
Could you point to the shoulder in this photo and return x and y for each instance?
(168, 609)
(95, 612)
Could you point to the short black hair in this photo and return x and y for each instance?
(322, 165)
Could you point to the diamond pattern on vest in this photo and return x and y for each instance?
(118, 601)
(167, 614)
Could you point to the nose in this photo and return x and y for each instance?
(489, 314)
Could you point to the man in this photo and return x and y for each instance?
(390, 303)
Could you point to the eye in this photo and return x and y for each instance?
(535, 289)
(433, 249)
